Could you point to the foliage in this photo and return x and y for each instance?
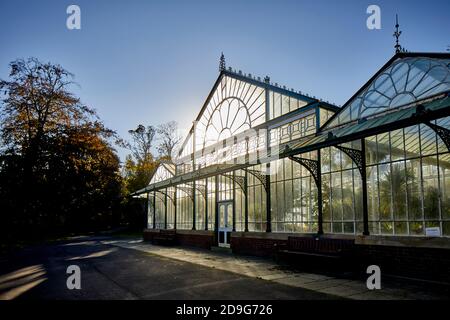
(59, 172)
(141, 164)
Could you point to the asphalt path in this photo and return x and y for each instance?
(109, 272)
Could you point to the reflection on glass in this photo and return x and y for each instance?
(222, 215)
(405, 81)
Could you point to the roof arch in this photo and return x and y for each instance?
(234, 107)
(237, 102)
(163, 172)
(404, 80)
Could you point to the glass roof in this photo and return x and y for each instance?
(165, 171)
(164, 177)
(393, 117)
(405, 81)
(234, 107)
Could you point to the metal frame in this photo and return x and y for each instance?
(313, 166)
(359, 158)
(442, 132)
(399, 55)
(334, 138)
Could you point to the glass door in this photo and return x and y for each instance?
(225, 223)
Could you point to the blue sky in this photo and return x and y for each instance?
(151, 62)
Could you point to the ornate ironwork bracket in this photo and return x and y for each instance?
(442, 132)
(240, 180)
(311, 165)
(159, 195)
(201, 188)
(258, 175)
(168, 196)
(187, 190)
(356, 155)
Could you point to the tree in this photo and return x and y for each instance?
(141, 147)
(37, 105)
(137, 175)
(140, 165)
(58, 169)
(169, 138)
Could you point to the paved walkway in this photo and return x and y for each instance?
(112, 273)
(271, 271)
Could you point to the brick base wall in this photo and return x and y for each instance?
(149, 233)
(423, 263)
(199, 239)
(261, 246)
(406, 260)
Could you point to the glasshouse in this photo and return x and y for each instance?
(263, 163)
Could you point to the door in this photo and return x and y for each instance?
(225, 223)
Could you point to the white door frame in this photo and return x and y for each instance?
(227, 227)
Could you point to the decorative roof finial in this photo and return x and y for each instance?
(222, 65)
(397, 33)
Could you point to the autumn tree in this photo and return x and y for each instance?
(140, 164)
(58, 169)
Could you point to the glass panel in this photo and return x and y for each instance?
(387, 228)
(347, 195)
(272, 113)
(358, 198)
(427, 140)
(383, 148)
(412, 145)
(288, 206)
(234, 107)
(416, 228)
(385, 186)
(397, 145)
(430, 188)
(326, 209)
(325, 159)
(164, 172)
(414, 194)
(336, 197)
(280, 206)
(285, 104)
(277, 104)
(229, 217)
(399, 183)
(293, 104)
(335, 159)
(405, 81)
(401, 228)
(444, 166)
(372, 193)
(446, 228)
(222, 216)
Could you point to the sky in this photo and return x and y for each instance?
(150, 62)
